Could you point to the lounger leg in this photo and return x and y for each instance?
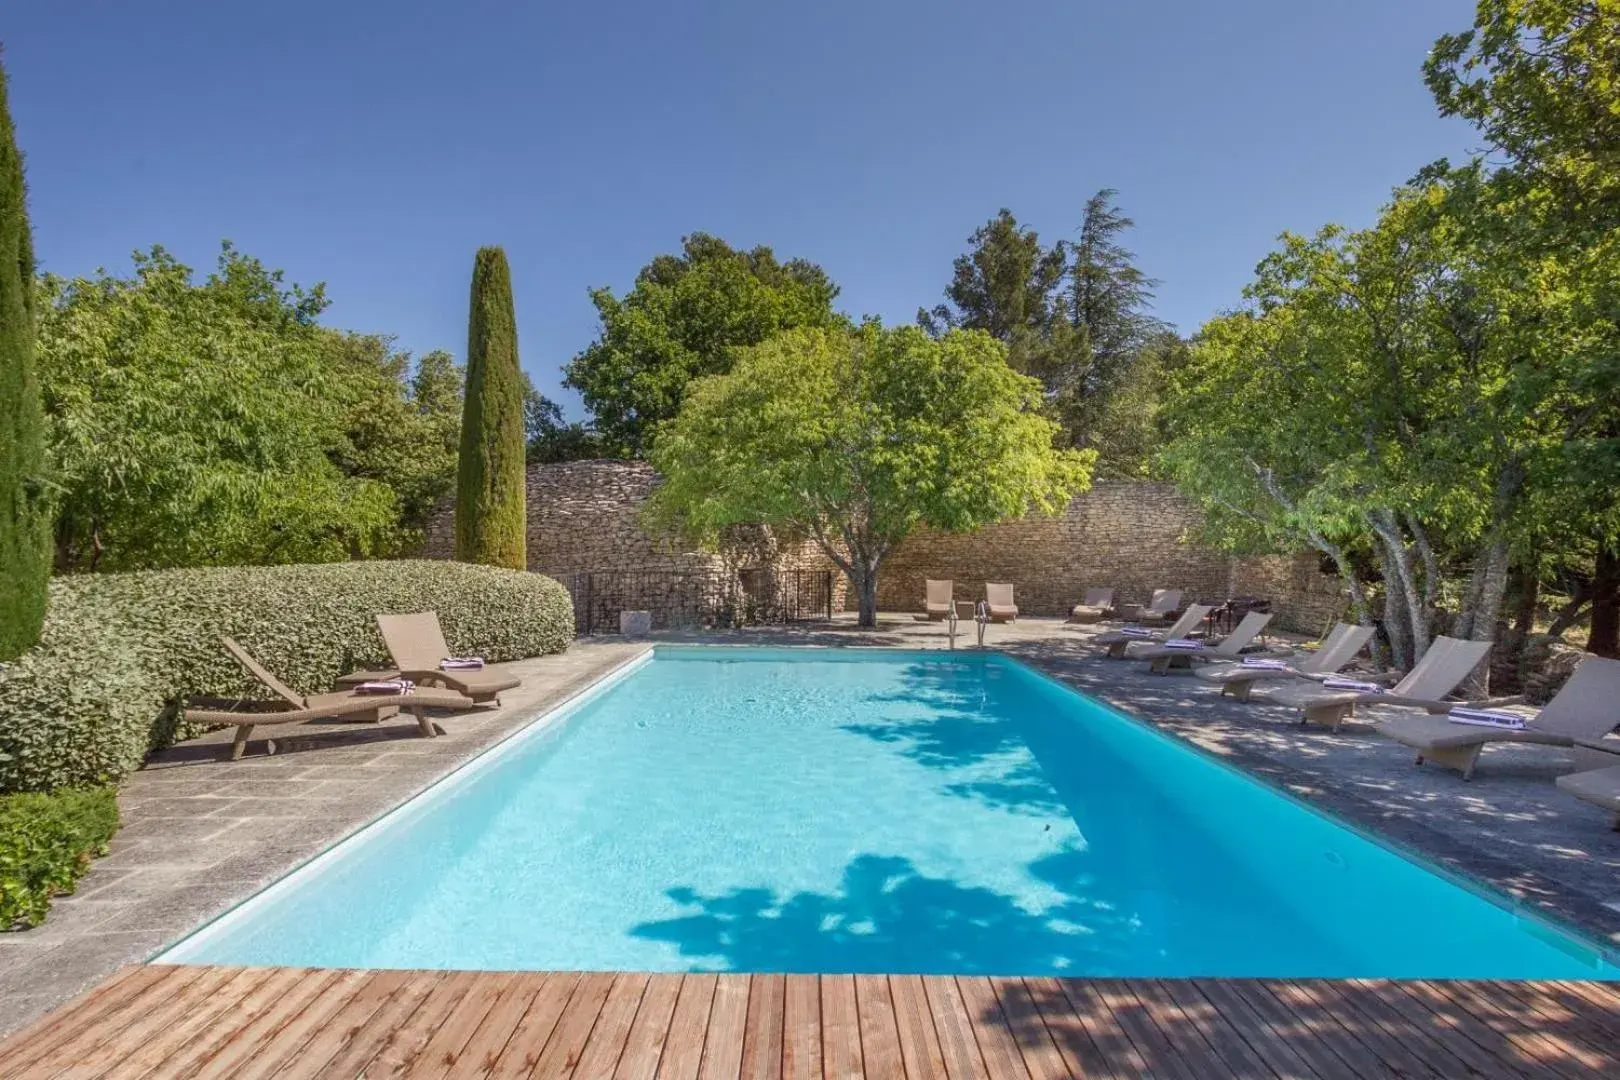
(1116, 650)
(1159, 666)
(239, 746)
(1240, 689)
(423, 722)
(1461, 758)
(1328, 715)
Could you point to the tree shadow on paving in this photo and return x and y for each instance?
(888, 917)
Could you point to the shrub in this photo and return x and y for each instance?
(46, 843)
(120, 650)
(490, 481)
(24, 525)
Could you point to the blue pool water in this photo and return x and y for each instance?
(806, 810)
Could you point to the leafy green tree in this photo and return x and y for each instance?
(685, 317)
(855, 439)
(198, 424)
(550, 438)
(24, 521)
(491, 487)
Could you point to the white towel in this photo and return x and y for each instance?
(1137, 632)
(387, 686)
(1351, 684)
(1265, 664)
(1183, 643)
(461, 663)
(1487, 718)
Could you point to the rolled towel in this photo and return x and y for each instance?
(461, 663)
(386, 686)
(1487, 718)
(1351, 684)
(1183, 643)
(1264, 663)
(1138, 632)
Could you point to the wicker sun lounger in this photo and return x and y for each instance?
(291, 707)
(1600, 787)
(416, 644)
(1586, 707)
(998, 599)
(1097, 604)
(937, 601)
(1119, 644)
(1341, 645)
(1166, 658)
(1442, 669)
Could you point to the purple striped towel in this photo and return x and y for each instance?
(1183, 643)
(1487, 718)
(1351, 684)
(1137, 631)
(386, 686)
(461, 663)
(1265, 664)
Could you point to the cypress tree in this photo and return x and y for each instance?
(490, 486)
(24, 525)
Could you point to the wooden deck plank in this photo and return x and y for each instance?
(344, 1049)
(1002, 1057)
(644, 1045)
(1420, 1031)
(1224, 1040)
(880, 1031)
(574, 1026)
(606, 1043)
(954, 1025)
(255, 1057)
(450, 1043)
(919, 1041)
(180, 1023)
(762, 1040)
(1041, 1055)
(528, 1039)
(683, 1051)
(801, 1028)
(840, 1029)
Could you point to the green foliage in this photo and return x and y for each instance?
(549, 438)
(201, 424)
(1075, 316)
(857, 438)
(491, 486)
(24, 518)
(47, 840)
(685, 318)
(119, 650)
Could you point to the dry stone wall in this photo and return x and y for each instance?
(585, 528)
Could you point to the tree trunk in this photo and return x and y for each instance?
(1397, 623)
(1527, 600)
(1604, 640)
(1490, 573)
(1398, 555)
(866, 590)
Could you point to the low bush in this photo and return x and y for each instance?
(46, 843)
(119, 651)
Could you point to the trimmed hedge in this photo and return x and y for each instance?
(119, 651)
(46, 844)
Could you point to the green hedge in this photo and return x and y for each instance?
(46, 844)
(119, 650)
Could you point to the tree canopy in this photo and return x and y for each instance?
(685, 317)
(856, 438)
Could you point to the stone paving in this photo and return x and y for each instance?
(201, 834)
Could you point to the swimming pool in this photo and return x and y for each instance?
(873, 811)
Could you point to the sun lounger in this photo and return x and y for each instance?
(1600, 787)
(1442, 669)
(1119, 644)
(416, 645)
(998, 600)
(1587, 707)
(1163, 606)
(1098, 603)
(937, 602)
(1341, 645)
(292, 707)
(1164, 658)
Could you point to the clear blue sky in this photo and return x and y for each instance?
(374, 145)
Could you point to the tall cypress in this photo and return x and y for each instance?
(490, 488)
(24, 525)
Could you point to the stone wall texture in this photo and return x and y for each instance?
(585, 528)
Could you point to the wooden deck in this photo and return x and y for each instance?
(176, 1022)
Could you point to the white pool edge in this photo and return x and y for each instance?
(542, 723)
